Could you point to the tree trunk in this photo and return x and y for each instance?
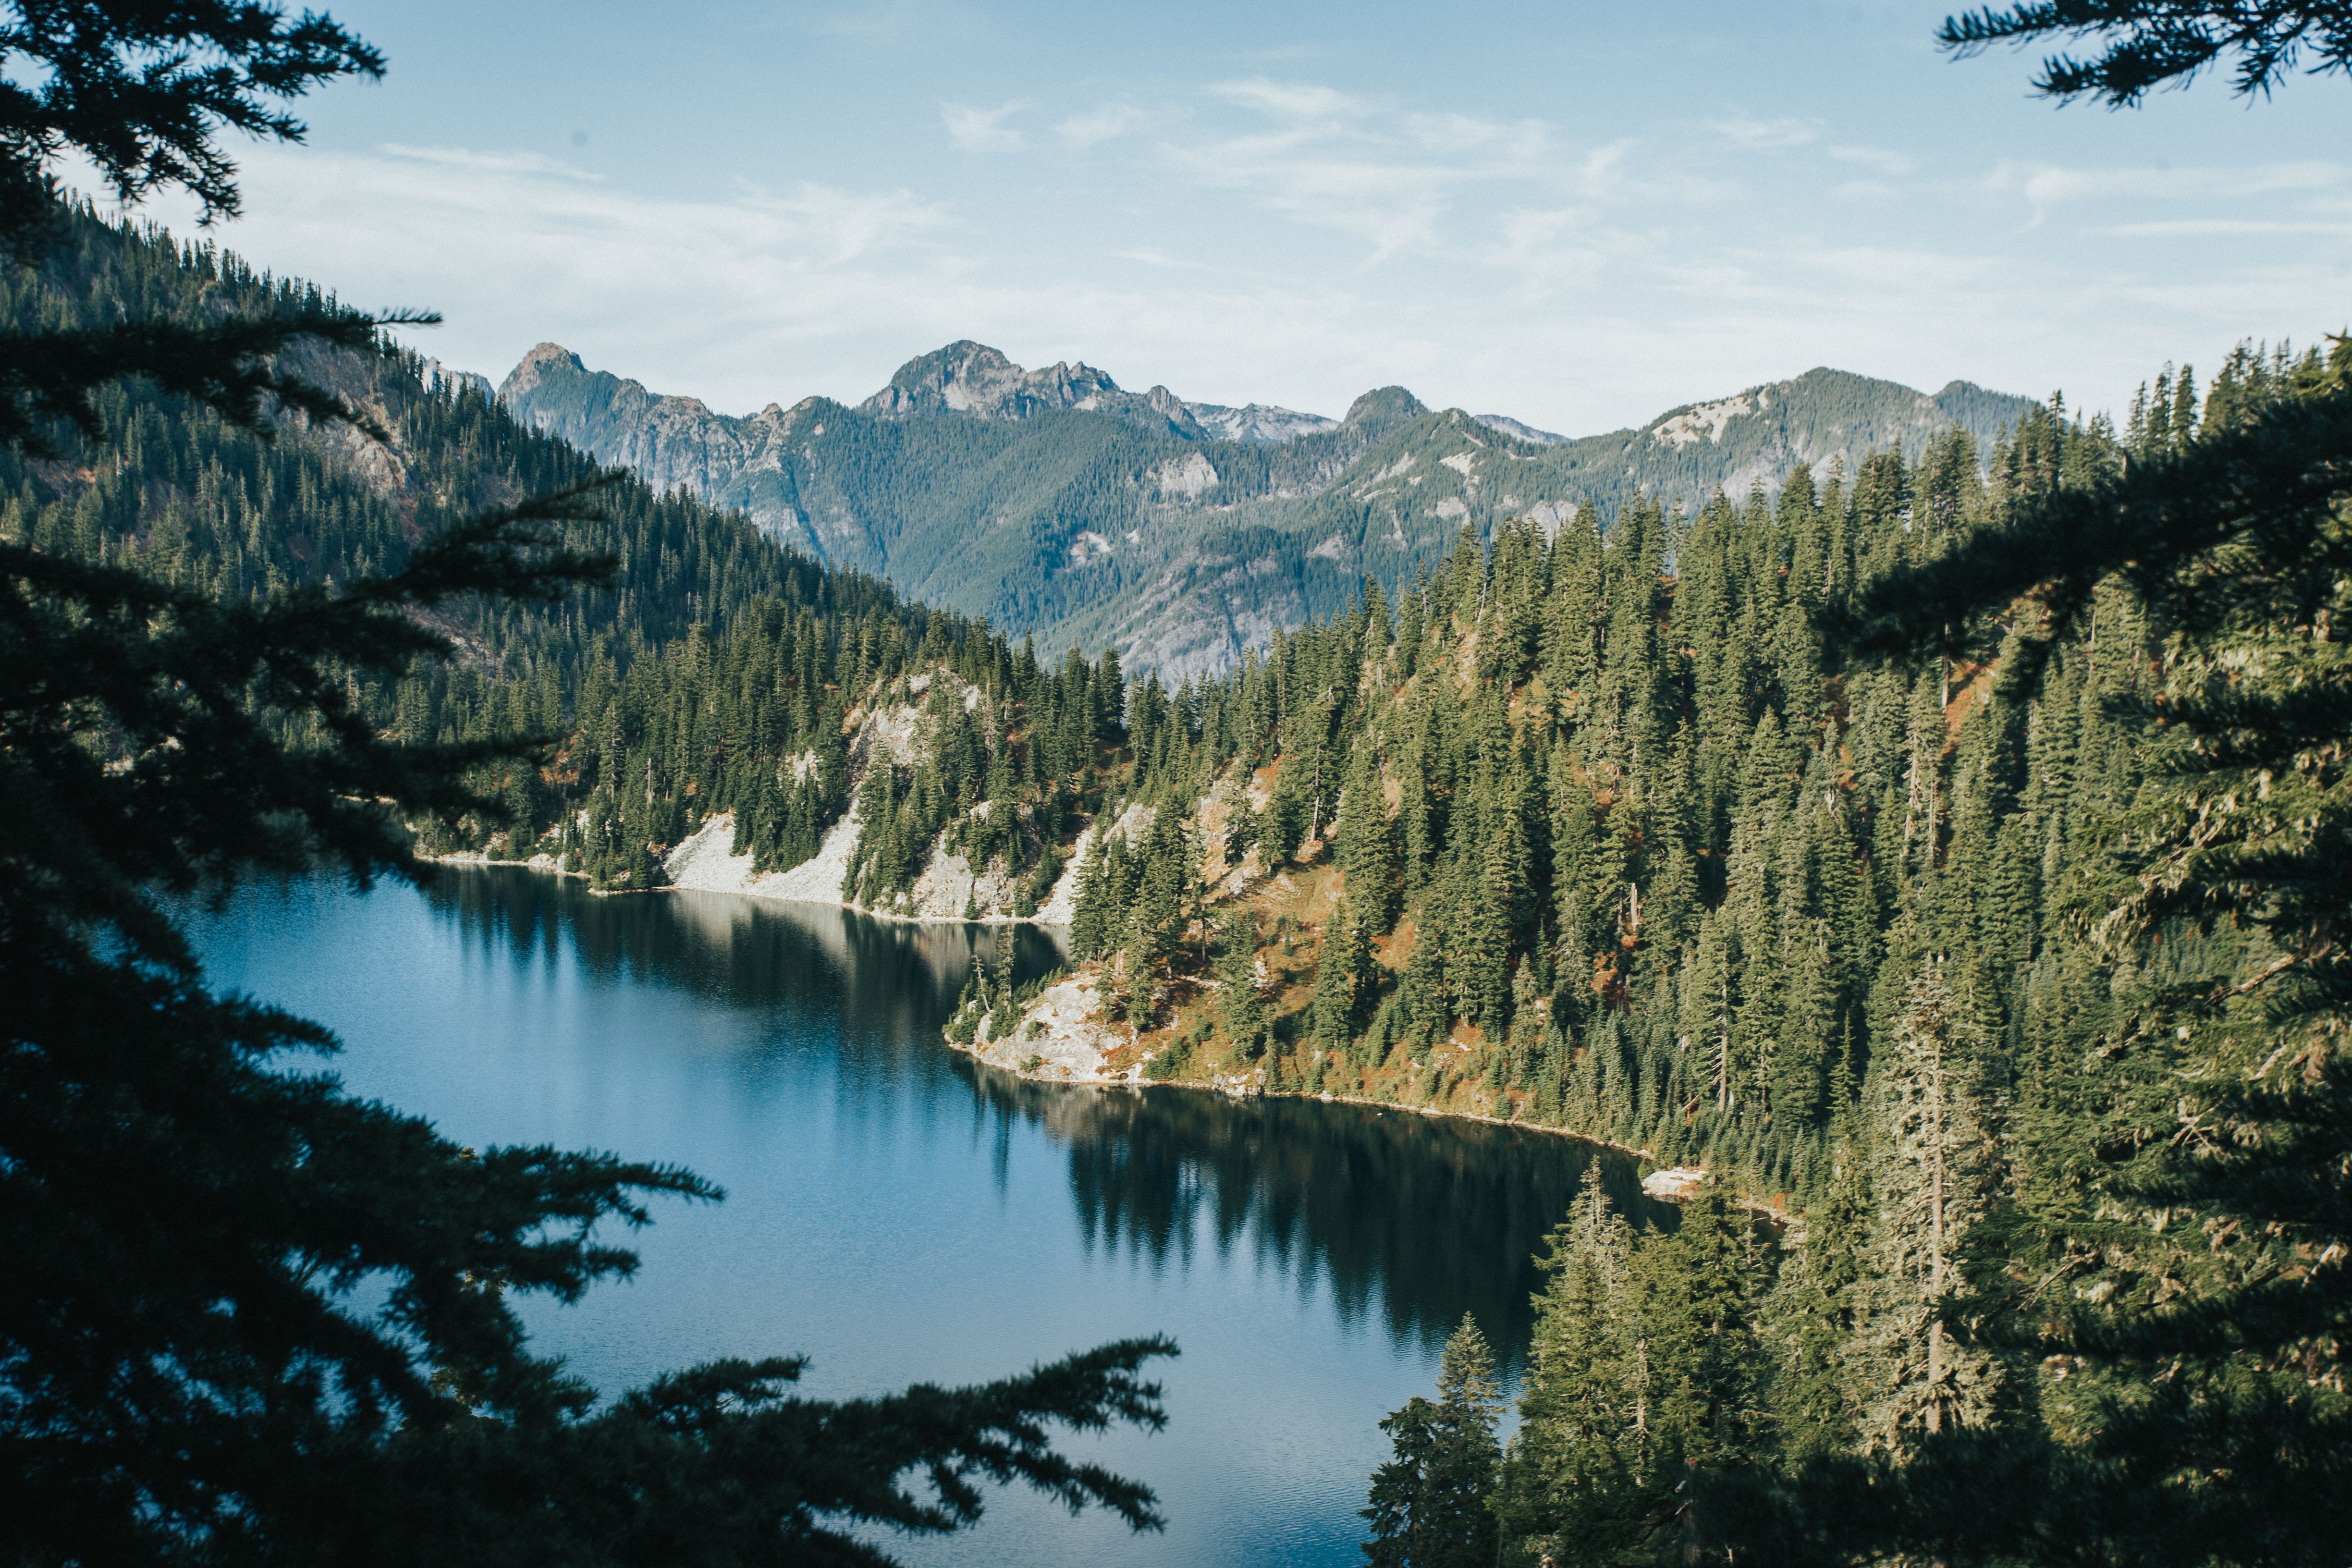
(1935, 1240)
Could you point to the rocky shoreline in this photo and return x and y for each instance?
(1060, 1038)
(704, 862)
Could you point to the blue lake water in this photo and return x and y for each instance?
(899, 1214)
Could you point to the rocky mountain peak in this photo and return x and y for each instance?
(966, 378)
(1385, 405)
(1518, 429)
(543, 361)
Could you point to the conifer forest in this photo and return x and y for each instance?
(1924, 872)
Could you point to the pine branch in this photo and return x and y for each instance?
(52, 376)
(137, 743)
(142, 89)
(2156, 43)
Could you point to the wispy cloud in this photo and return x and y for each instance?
(1892, 164)
(982, 130)
(1521, 142)
(1290, 100)
(2217, 228)
(2049, 187)
(1148, 257)
(1293, 241)
(1765, 134)
(500, 162)
(1339, 162)
(1096, 126)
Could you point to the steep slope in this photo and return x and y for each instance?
(1057, 504)
(1756, 437)
(726, 691)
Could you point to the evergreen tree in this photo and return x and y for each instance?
(2149, 43)
(1367, 839)
(1431, 1502)
(1930, 1179)
(1342, 976)
(1242, 997)
(251, 1318)
(2172, 1246)
(1572, 1482)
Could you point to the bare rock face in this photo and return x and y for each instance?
(949, 888)
(706, 862)
(1062, 1038)
(1677, 1185)
(1260, 423)
(1062, 904)
(447, 382)
(967, 377)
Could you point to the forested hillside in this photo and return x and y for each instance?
(717, 675)
(1581, 828)
(2008, 977)
(1054, 503)
(1589, 834)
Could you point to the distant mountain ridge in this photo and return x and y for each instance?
(1058, 503)
(966, 378)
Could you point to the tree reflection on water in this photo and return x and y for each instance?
(1408, 1220)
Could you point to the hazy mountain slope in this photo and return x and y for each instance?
(1058, 504)
(1756, 437)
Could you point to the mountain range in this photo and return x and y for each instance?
(1058, 504)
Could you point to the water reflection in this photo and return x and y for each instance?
(1408, 1221)
(892, 980)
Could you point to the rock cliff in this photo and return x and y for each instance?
(1058, 504)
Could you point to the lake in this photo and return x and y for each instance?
(899, 1214)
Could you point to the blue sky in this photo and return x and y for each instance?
(1577, 215)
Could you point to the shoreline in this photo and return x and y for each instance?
(545, 866)
(1680, 1183)
(1260, 1092)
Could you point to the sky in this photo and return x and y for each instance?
(1576, 215)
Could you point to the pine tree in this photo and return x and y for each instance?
(1815, 1315)
(1367, 839)
(1699, 1340)
(1930, 1181)
(1242, 997)
(1430, 1503)
(1342, 976)
(1572, 1475)
(250, 1317)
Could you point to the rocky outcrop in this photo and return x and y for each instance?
(1676, 1185)
(1259, 423)
(971, 378)
(445, 382)
(1062, 904)
(950, 888)
(706, 862)
(1062, 1038)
